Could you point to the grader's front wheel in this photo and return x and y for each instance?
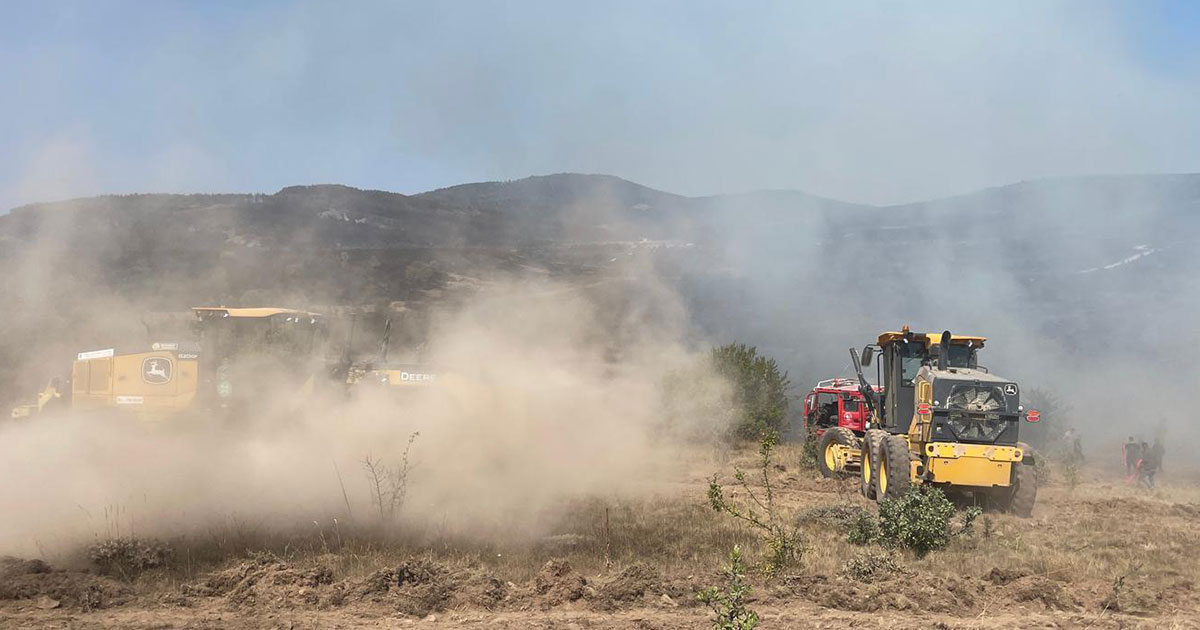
(893, 478)
(872, 442)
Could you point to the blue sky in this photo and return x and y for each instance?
(869, 101)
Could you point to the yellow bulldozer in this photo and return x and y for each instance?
(940, 418)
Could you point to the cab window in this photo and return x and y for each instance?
(826, 408)
(912, 355)
(962, 356)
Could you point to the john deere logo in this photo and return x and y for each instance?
(156, 370)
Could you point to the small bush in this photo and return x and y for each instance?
(967, 528)
(863, 530)
(784, 550)
(808, 453)
(919, 520)
(729, 603)
(127, 558)
(388, 484)
(871, 565)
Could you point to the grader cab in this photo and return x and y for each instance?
(246, 352)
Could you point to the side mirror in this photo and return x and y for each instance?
(867, 353)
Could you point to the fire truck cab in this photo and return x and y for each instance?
(835, 402)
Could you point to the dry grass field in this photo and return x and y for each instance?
(1095, 554)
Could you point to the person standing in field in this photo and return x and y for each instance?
(1148, 466)
(1133, 453)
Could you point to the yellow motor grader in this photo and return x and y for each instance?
(940, 418)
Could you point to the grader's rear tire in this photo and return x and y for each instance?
(893, 478)
(826, 461)
(1024, 492)
(872, 442)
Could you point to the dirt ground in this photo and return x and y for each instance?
(1097, 553)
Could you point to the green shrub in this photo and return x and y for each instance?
(919, 520)
(729, 604)
(808, 453)
(863, 530)
(758, 389)
(968, 521)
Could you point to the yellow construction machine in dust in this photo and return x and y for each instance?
(232, 361)
(942, 419)
(382, 371)
(233, 355)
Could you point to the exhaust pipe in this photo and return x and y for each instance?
(944, 351)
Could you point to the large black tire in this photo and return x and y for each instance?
(832, 436)
(894, 476)
(1020, 495)
(1024, 492)
(872, 443)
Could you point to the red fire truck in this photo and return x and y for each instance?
(836, 413)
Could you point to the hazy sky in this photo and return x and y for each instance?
(868, 101)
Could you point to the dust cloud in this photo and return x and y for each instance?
(543, 394)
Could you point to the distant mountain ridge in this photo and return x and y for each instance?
(1108, 213)
(1079, 258)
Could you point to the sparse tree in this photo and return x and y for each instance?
(1055, 418)
(759, 389)
(784, 545)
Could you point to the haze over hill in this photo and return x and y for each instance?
(1057, 271)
